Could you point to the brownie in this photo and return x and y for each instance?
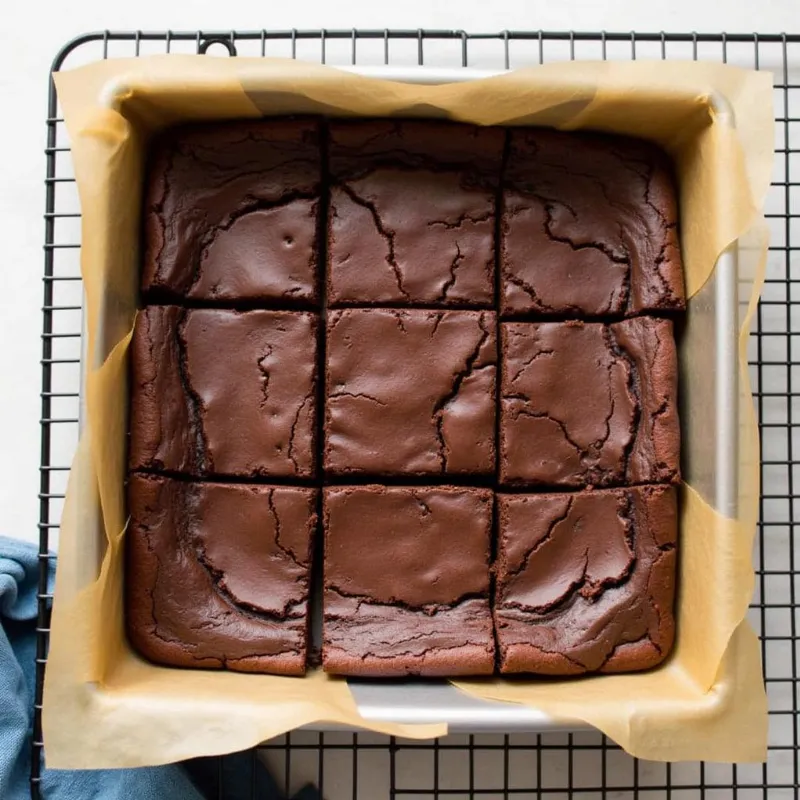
(218, 574)
(231, 212)
(589, 403)
(585, 581)
(410, 392)
(406, 587)
(412, 213)
(589, 226)
(222, 392)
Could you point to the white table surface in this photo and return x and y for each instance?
(33, 31)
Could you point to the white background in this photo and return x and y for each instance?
(32, 32)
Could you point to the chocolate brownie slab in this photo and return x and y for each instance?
(231, 212)
(589, 226)
(589, 403)
(410, 392)
(406, 588)
(218, 574)
(412, 214)
(222, 392)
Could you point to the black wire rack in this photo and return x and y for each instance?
(582, 765)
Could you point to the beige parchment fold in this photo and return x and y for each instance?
(106, 707)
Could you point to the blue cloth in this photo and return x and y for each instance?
(199, 779)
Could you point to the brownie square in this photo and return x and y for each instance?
(412, 213)
(222, 392)
(589, 226)
(406, 587)
(218, 574)
(585, 581)
(589, 403)
(231, 212)
(410, 392)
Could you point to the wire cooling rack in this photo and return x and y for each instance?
(490, 766)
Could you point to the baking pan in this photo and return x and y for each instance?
(713, 469)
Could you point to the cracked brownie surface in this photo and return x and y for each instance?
(412, 213)
(441, 244)
(223, 392)
(218, 574)
(410, 392)
(231, 212)
(589, 226)
(585, 581)
(406, 587)
(589, 403)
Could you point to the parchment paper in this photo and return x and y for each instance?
(106, 707)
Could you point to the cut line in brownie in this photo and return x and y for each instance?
(585, 581)
(218, 574)
(412, 213)
(231, 213)
(406, 586)
(219, 392)
(589, 226)
(410, 392)
(589, 403)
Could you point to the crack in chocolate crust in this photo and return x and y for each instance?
(634, 391)
(287, 551)
(265, 374)
(353, 160)
(387, 235)
(428, 609)
(515, 413)
(666, 225)
(604, 249)
(459, 378)
(436, 324)
(424, 507)
(528, 289)
(217, 579)
(648, 443)
(510, 575)
(463, 219)
(235, 608)
(362, 395)
(203, 457)
(528, 361)
(248, 207)
(290, 451)
(454, 265)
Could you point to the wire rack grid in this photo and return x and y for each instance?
(490, 766)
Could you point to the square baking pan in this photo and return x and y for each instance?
(713, 319)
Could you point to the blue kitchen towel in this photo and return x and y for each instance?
(199, 779)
